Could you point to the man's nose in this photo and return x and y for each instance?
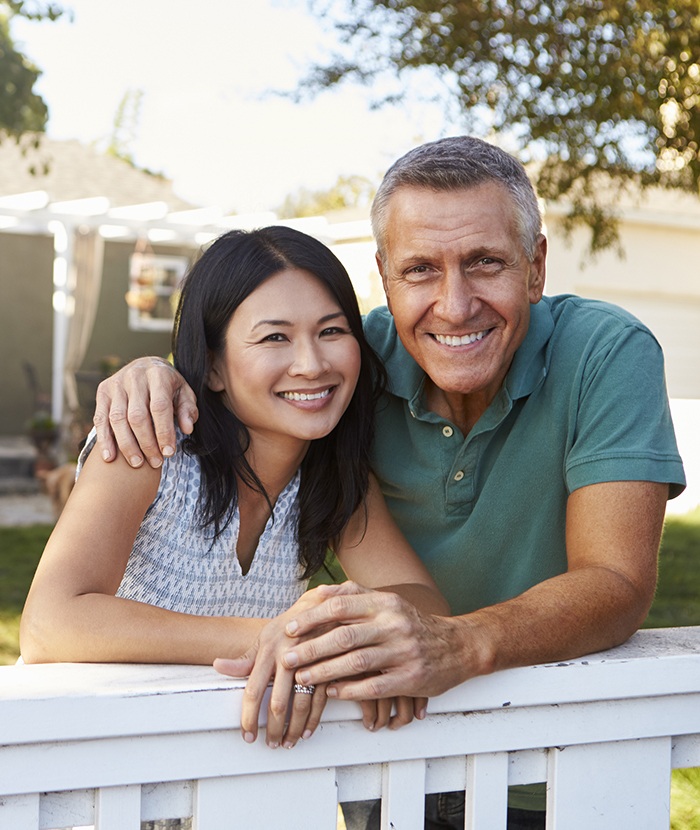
(455, 301)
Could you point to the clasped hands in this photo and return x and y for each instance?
(347, 641)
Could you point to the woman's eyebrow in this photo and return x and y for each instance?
(272, 323)
(333, 316)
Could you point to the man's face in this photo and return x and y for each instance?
(459, 284)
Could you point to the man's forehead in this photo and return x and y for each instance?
(421, 218)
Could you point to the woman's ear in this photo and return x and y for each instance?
(214, 378)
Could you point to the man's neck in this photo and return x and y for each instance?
(460, 409)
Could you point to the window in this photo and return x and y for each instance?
(154, 283)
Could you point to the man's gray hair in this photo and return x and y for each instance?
(455, 164)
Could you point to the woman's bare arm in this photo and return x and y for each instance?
(71, 613)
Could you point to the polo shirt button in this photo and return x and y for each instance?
(447, 432)
(459, 475)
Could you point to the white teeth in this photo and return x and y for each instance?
(450, 340)
(304, 396)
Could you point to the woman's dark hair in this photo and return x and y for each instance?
(335, 470)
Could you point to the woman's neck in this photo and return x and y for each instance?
(274, 462)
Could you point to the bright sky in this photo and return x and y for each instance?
(203, 68)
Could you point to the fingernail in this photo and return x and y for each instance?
(292, 627)
(136, 461)
(421, 714)
(273, 745)
(106, 455)
(306, 735)
(248, 737)
(291, 658)
(168, 451)
(288, 745)
(155, 462)
(304, 677)
(331, 691)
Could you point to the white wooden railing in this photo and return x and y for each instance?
(111, 746)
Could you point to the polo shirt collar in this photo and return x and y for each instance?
(529, 366)
(526, 372)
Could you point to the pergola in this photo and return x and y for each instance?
(79, 228)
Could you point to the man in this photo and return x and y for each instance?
(525, 447)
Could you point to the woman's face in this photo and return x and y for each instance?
(290, 362)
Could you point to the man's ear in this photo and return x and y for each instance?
(380, 268)
(214, 379)
(538, 270)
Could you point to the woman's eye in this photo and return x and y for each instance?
(274, 338)
(334, 330)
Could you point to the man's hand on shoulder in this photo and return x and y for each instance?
(136, 408)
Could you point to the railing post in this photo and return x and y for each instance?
(608, 786)
(487, 791)
(403, 795)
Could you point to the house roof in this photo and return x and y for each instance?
(69, 170)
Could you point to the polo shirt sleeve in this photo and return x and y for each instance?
(623, 429)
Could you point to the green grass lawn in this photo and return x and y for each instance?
(20, 549)
(677, 603)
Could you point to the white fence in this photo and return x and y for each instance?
(116, 745)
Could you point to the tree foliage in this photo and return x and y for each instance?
(597, 91)
(22, 110)
(347, 192)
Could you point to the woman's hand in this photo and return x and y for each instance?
(376, 714)
(263, 662)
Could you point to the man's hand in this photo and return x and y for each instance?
(136, 408)
(396, 650)
(264, 663)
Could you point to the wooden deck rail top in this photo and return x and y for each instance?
(113, 745)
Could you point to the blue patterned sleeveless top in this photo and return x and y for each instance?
(173, 563)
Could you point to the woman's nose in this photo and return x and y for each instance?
(308, 360)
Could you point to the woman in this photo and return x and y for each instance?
(203, 557)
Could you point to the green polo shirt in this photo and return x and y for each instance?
(584, 402)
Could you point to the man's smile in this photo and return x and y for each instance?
(460, 340)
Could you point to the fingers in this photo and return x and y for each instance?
(376, 672)
(383, 713)
(186, 409)
(346, 641)
(420, 707)
(369, 713)
(253, 696)
(234, 667)
(135, 408)
(278, 707)
(106, 444)
(305, 715)
(344, 603)
(403, 713)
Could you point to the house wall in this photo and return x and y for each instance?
(26, 324)
(656, 280)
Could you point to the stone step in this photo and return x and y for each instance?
(13, 485)
(17, 458)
